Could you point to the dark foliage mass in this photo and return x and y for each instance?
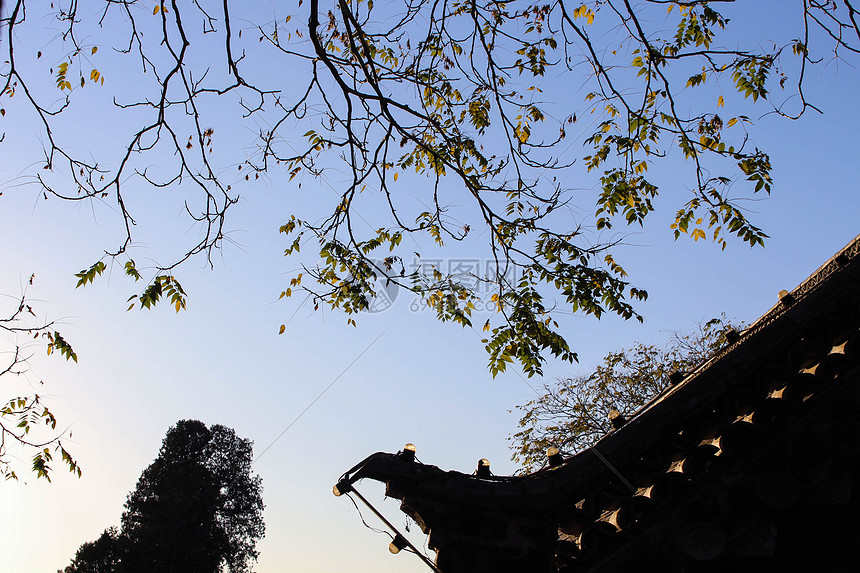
(99, 556)
(196, 509)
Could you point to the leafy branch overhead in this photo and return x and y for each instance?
(163, 285)
(27, 425)
(460, 122)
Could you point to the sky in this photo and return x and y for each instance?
(324, 395)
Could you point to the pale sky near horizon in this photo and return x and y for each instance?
(399, 377)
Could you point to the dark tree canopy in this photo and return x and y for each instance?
(197, 509)
(573, 413)
(447, 122)
(99, 556)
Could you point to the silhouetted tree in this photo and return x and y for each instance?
(99, 556)
(196, 509)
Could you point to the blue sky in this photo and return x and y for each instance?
(221, 361)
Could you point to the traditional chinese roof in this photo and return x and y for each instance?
(750, 461)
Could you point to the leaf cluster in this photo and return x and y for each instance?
(26, 422)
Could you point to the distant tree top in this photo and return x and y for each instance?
(572, 414)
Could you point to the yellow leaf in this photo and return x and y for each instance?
(155, 10)
(732, 122)
(283, 328)
(395, 176)
(95, 49)
(721, 102)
